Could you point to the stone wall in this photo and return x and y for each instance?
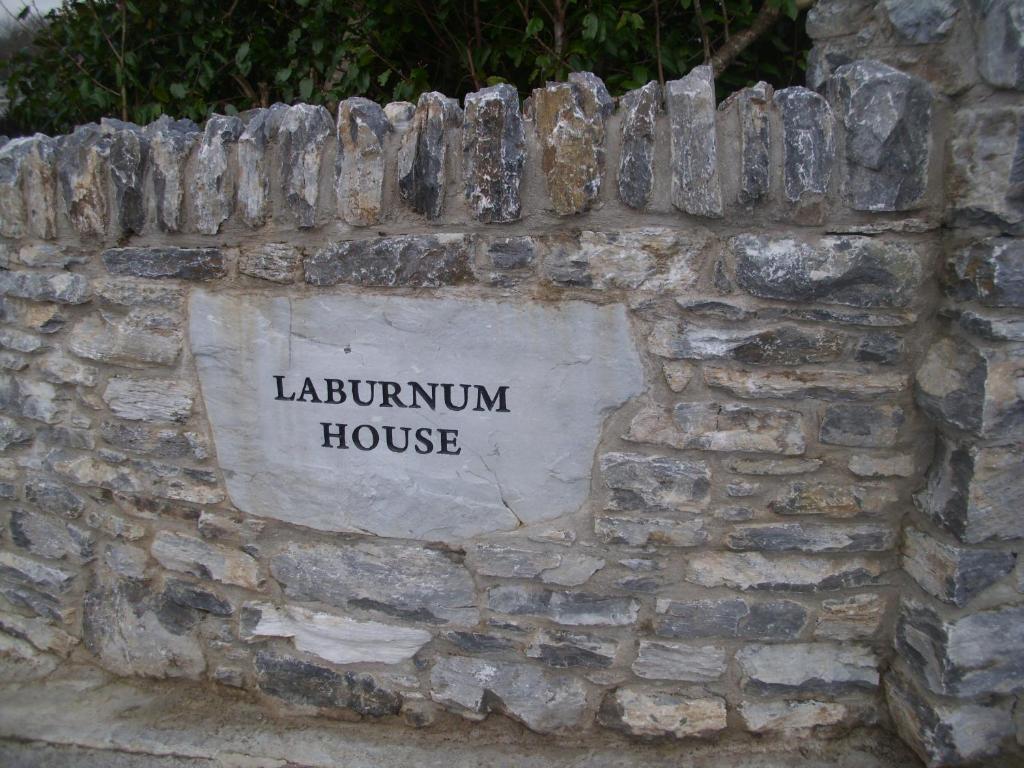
(789, 504)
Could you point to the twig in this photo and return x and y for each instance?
(657, 43)
(703, 30)
(733, 47)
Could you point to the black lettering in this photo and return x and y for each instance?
(308, 389)
(389, 439)
(355, 391)
(423, 439)
(448, 438)
(359, 443)
(337, 434)
(484, 399)
(335, 387)
(389, 391)
(448, 396)
(280, 389)
(419, 391)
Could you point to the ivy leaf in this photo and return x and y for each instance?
(535, 26)
(282, 75)
(305, 88)
(590, 26)
(178, 90)
(242, 54)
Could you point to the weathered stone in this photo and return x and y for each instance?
(142, 294)
(254, 200)
(784, 345)
(720, 427)
(791, 718)
(645, 531)
(887, 115)
(788, 573)
(952, 574)
(659, 660)
(423, 156)
(425, 261)
(190, 595)
(976, 655)
(276, 262)
(46, 536)
(41, 317)
(302, 135)
(848, 269)
(850, 618)
(149, 399)
(690, 102)
(882, 348)
(411, 583)
(338, 639)
(641, 712)
(13, 222)
(171, 142)
(811, 537)
(755, 140)
(39, 633)
(126, 561)
(975, 388)
(40, 588)
(974, 492)
(191, 555)
(40, 401)
(831, 500)
(808, 142)
(90, 471)
(640, 109)
(129, 162)
(821, 667)
(359, 169)
(39, 188)
(20, 341)
(945, 732)
(653, 258)
(494, 153)
(569, 608)
(306, 684)
(569, 119)
(547, 702)
(772, 467)
(156, 441)
(562, 649)
(902, 465)
(169, 481)
(805, 382)
(12, 433)
(498, 476)
(654, 483)
(992, 328)
(82, 168)
(837, 18)
(987, 169)
(861, 426)
(165, 262)
(1001, 44)
(506, 259)
(677, 374)
(213, 198)
(729, 618)
(478, 642)
(12, 361)
(922, 21)
(54, 497)
(61, 287)
(120, 341)
(990, 272)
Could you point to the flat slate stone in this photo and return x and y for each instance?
(422, 261)
(636, 159)
(696, 188)
(422, 158)
(170, 143)
(808, 142)
(515, 455)
(165, 262)
(494, 153)
(359, 168)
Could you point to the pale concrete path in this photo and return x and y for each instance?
(88, 720)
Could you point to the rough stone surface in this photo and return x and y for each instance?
(819, 667)
(788, 573)
(275, 463)
(493, 154)
(569, 608)
(338, 639)
(82, 168)
(972, 656)
(922, 21)
(276, 262)
(641, 712)
(782, 345)
(640, 109)
(254, 196)
(729, 618)
(850, 618)
(305, 684)
(644, 530)
(129, 164)
(660, 660)
(887, 115)
(654, 483)
(213, 198)
(422, 159)
(165, 262)
(121, 341)
(302, 136)
(149, 399)
(755, 141)
(546, 702)
(48, 537)
(191, 555)
(359, 170)
(851, 270)
(171, 143)
(1001, 44)
(410, 583)
(60, 287)
(808, 143)
(990, 272)
(861, 426)
(690, 101)
(12, 204)
(39, 187)
(569, 119)
(423, 261)
(791, 718)
(987, 172)
(811, 537)
(806, 382)
(952, 574)
(563, 649)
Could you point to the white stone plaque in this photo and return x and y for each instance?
(422, 418)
